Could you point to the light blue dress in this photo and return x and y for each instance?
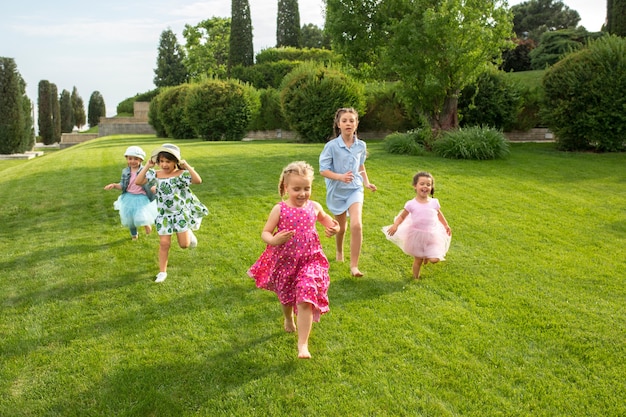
(338, 158)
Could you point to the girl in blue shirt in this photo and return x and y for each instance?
(342, 164)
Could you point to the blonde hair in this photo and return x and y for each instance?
(338, 115)
(295, 168)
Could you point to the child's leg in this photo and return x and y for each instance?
(148, 229)
(342, 220)
(133, 232)
(290, 325)
(185, 238)
(305, 322)
(431, 260)
(417, 264)
(356, 237)
(164, 248)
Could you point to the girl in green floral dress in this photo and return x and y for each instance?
(179, 210)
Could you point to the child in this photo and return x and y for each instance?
(425, 235)
(293, 264)
(342, 165)
(136, 204)
(179, 210)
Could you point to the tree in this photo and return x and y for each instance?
(616, 17)
(96, 109)
(433, 48)
(56, 113)
(554, 45)
(45, 113)
(313, 37)
(170, 70)
(241, 50)
(78, 107)
(16, 124)
(534, 17)
(207, 45)
(288, 24)
(67, 113)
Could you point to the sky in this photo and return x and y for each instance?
(112, 46)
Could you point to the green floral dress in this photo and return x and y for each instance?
(178, 208)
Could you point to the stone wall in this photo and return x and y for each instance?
(69, 139)
(533, 135)
(136, 125)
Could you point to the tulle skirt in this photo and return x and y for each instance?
(135, 210)
(432, 243)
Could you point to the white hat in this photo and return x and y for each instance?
(167, 148)
(135, 151)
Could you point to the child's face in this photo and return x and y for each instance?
(424, 186)
(298, 189)
(166, 165)
(133, 161)
(348, 122)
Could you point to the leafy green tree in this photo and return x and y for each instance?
(78, 107)
(16, 124)
(241, 50)
(44, 115)
(96, 109)
(67, 113)
(56, 113)
(311, 36)
(616, 17)
(534, 17)
(207, 45)
(437, 48)
(554, 45)
(288, 24)
(170, 70)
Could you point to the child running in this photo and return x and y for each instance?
(425, 234)
(293, 264)
(136, 204)
(179, 210)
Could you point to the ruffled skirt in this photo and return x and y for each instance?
(433, 243)
(135, 210)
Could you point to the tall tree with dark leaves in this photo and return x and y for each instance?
(67, 113)
(96, 109)
(616, 17)
(288, 24)
(241, 49)
(78, 107)
(170, 70)
(534, 17)
(44, 114)
(15, 120)
(56, 113)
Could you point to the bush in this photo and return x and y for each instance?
(127, 105)
(266, 75)
(585, 100)
(409, 143)
(384, 109)
(173, 114)
(290, 53)
(154, 118)
(493, 100)
(270, 116)
(311, 94)
(221, 110)
(472, 143)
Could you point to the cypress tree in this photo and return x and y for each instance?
(96, 109)
(56, 113)
(78, 107)
(288, 24)
(170, 70)
(67, 115)
(11, 114)
(616, 17)
(241, 48)
(45, 113)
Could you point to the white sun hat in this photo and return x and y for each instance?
(135, 151)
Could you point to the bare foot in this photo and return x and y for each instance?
(303, 352)
(339, 257)
(290, 325)
(416, 277)
(148, 229)
(354, 270)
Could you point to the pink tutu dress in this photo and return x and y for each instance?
(421, 234)
(297, 271)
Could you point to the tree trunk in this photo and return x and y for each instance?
(448, 119)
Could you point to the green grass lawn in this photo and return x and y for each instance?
(526, 317)
(531, 79)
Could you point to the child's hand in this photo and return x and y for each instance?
(371, 187)
(282, 237)
(150, 163)
(392, 230)
(332, 230)
(109, 186)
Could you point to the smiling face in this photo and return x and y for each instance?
(423, 187)
(133, 162)
(298, 188)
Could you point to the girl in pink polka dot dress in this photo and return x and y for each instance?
(293, 264)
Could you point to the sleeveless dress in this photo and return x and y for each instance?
(421, 234)
(297, 271)
(178, 208)
(134, 206)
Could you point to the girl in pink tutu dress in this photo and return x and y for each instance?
(425, 234)
(293, 264)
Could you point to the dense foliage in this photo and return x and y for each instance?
(534, 17)
(78, 106)
(173, 112)
(312, 93)
(16, 132)
(48, 105)
(207, 45)
(585, 100)
(288, 24)
(170, 68)
(95, 109)
(413, 142)
(67, 113)
(241, 50)
(616, 17)
(472, 142)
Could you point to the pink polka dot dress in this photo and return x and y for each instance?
(297, 271)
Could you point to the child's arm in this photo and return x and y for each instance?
(111, 186)
(195, 178)
(141, 177)
(347, 177)
(399, 219)
(443, 221)
(366, 180)
(331, 225)
(268, 235)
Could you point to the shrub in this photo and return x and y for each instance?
(269, 117)
(154, 118)
(385, 111)
(221, 109)
(585, 101)
(409, 143)
(311, 94)
(290, 53)
(127, 105)
(473, 142)
(172, 112)
(264, 75)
